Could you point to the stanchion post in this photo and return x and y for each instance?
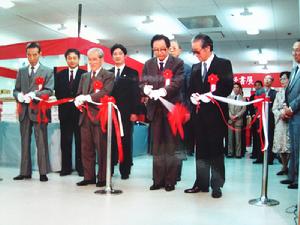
(263, 200)
(108, 188)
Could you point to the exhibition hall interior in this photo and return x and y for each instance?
(149, 112)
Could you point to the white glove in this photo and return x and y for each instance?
(31, 95)
(148, 89)
(204, 97)
(194, 98)
(79, 100)
(162, 92)
(87, 98)
(156, 94)
(20, 97)
(27, 99)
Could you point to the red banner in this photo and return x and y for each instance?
(247, 79)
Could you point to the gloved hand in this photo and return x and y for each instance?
(147, 89)
(79, 100)
(194, 98)
(20, 97)
(204, 97)
(31, 95)
(27, 99)
(155, 94)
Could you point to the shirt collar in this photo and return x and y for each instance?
(164, 61)
(209, 60)
(74, 70)
(35, 67)
(121, 69)
(97, 71)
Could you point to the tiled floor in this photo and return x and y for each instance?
(60, 201)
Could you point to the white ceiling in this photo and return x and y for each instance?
(117, 21)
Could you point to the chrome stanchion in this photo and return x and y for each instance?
(108, 188)
(263, 200)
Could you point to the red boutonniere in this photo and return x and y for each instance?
(39, 81)
(168, 74)
(213, 80)
(98, 85)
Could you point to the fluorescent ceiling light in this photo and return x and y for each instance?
(6, 4)
(252, 31)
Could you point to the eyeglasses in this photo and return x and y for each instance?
(159, 49)
(283, 78)
(195, 52)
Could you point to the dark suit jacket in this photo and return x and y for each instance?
(63, 90)
(107, 78)
(293, 96)
(26, 84)
(208, 120)
(272, 95)
(126, 92)
(151, 76)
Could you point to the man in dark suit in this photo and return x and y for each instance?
(292, 112)
(66, 86)
(165, 146)
(271, 93)
(92, 136)
(26, 89)
(209, 128)
(126, 93)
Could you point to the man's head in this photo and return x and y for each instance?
(160, 45)
(268, 80)
(33, 53)
(95, 58)
(258, 84)
(118, 53)
(237, 88)
(72, 56)
(296, 51)
(175, 49)
(202, 47)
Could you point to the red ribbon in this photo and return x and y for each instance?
(103, 117)
(98, 85)
(177, 117)
(168, 74)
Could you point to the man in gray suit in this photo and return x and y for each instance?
(292, 112)
(235, 120)
(92, 136)
(26, 89)
(165, 146)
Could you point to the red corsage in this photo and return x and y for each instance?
(213, 80)
(39, 81)
(98, 85)
(168, 74)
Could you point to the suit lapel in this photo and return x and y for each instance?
(295, 79)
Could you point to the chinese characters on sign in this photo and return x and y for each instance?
(247, 79)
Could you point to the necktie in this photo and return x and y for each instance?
(235, 97)
(295, 75)
(161, 66)
(93, 74)
(71, 78)
(204, 71)
(32, 71)
(118, 74)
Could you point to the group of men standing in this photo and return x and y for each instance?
(122, 83)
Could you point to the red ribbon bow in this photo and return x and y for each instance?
(98, 85)
(168, 74)
(39, 81)
(177, 117)
(213, 80)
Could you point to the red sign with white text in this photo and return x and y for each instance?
(247, 79)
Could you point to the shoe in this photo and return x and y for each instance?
(257, 162)
(252, 157)
(229, 156)
(22, 177)
(170, 188)
(293, 186)
(238, 157)
(43, 178)
(101, 184)
(282, 172)
(178, 179)
(216, 193)
(286, 181)
(155, 187)
(64, 173)
(86, 182)
(80, 174)
(196, 189)
(124, 177)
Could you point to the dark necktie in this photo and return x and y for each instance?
(93, 74)
(161, 66)
(204, 72)
(71, 78)
(235, 97)
(118, 74)
(32, 71)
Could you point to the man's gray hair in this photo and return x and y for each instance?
(98, 50)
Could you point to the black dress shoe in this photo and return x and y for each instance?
(155, 187)
(282, 172)
(216, 193)
(257, 162)
(293, 186)
(101, 184)
(86, 182)
(124, 177)
(286, 181)
(196, 189)
(64, 173)
(170, 188)
(43, 178)
(80, 174)
(22, 177)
